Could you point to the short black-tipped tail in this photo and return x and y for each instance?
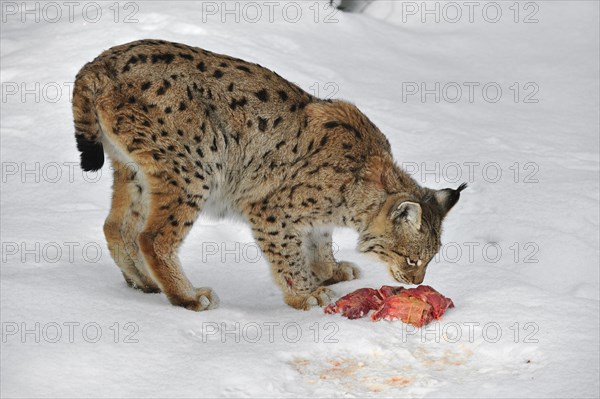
(87, 127)
(92, 153)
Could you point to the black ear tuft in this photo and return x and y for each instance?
(448, 197)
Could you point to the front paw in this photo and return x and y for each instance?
(343, 271)
(347, 271)
(322, 296)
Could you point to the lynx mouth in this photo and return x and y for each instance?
(399, 277)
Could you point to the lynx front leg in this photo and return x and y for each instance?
(319, 252)
(291, 271)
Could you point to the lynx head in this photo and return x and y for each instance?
(405, 233)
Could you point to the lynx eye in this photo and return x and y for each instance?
(411, 263)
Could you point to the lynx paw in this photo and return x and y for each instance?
(203, 299)
(149, 289)
(144, 286)
(322, 296)
(343, 271)
(347, 271)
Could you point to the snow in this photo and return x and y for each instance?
(526, 321)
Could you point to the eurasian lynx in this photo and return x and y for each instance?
(189, 131)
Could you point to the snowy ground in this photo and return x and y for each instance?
(521, 250)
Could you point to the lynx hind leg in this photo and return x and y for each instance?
(133, 224)
(171, 213)
(118, 246)
(319, 250)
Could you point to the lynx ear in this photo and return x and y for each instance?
(448, 197)
(410, 212)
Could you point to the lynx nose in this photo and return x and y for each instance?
(417, 279)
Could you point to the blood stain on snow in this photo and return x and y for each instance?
(341, 368)
(445, 358)
(367, 375)
(399, 381)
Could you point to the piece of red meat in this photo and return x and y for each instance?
(387, 291)
(356, 304)
(438, 302)
(417, 306)
(409, 309)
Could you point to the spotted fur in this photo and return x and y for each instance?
(191, 131)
